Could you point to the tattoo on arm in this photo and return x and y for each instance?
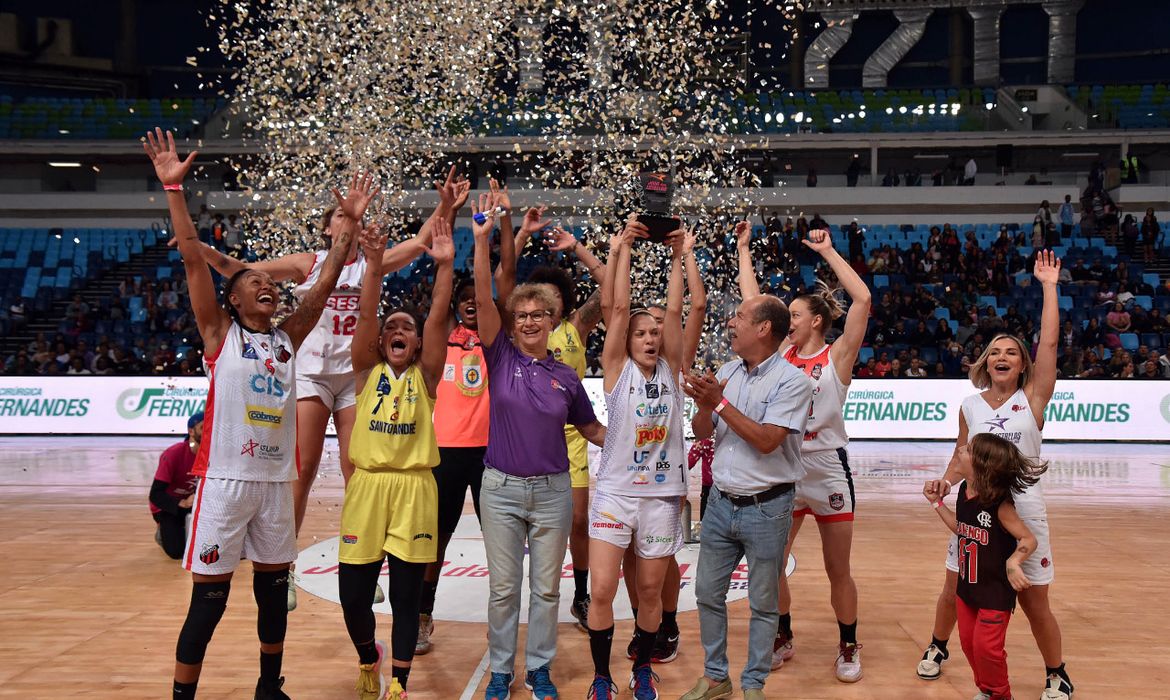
(590, 311)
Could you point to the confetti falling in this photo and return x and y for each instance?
(587, 94)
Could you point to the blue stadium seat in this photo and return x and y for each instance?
(1130, 341)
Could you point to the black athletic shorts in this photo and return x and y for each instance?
(459, 468)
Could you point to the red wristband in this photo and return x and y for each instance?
(177, 187)
(722, 405)
(937, 504)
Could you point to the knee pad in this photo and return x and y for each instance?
(208, 602)
(271, 591)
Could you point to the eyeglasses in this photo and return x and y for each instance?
(534, 316)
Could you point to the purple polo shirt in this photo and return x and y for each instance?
(531, 403)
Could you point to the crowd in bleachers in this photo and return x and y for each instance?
(941, 293)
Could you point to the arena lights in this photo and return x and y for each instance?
(64, 164)
(990, 106)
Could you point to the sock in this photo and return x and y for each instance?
(600, 643)
(184, 691)
(270, 666)
(669, 621)
(401, 673)
(367, 652)
(644, 644)
(785, 627)
(941, 644)
(580, 584)
(848, 632)
(1058, 670)
(426, 604)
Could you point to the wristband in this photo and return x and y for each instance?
(937, 504)
(177, 187)
(722, 405)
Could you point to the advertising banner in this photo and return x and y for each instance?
(914, 409)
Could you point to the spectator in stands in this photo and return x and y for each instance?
(916, 370)
(1105, 295)
(969, 171)
(233, 235)
(173, 490)
(1045, 212)
(1118, 319)
(891, 179)
(1066, 217)
(1129, 235)
(77, 366)
(203, 224)
(1150, 370)
(852, 172)
(856, 238)
(77, 306)
(895, 371)
(1038, 232)
(868, 370)
(811, 180)
(1150, 233)
(1118, 363)
(815, 224)
(218, 230)
(882, 367)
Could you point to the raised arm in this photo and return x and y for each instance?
(485, 306)
(363, 348)
(362, 190)
(616, 286)
(434, 349)
(845, 348)
(506, 272)
(748, 286)
(1043, 381)
(211, 318)
(932, 493)
(452, 195)
(693, 330)
(585, 317)
(507, 267)
(672, 330)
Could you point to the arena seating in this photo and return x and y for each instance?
(106, 118)
(1133, 106)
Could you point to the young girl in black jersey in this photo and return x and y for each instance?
(993, 543)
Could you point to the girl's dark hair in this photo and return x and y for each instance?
(459, 287)
(562, 280)
(1000, 470)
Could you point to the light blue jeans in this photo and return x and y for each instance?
(537, 512)
(729, 533)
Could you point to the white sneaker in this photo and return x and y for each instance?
(292, 592)
(849, 663)
(1057, 689)
(930, 667)
(981, 696)
(426, 625)
(379, 594)
(781, 651)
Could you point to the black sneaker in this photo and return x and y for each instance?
(580, 610)
(270, 690)
(930, 667)
(665, 646)
(1057, 688)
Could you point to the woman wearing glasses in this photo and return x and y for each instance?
(525, 496)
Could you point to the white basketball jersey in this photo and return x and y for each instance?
(1014, 422)
(325, 351)
(643, 453)
(826, 414)
(250, 422)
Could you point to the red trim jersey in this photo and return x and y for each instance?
(826, 415)
(325, 351)
(249, 425)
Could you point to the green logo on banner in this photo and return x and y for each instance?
(162, 403)
(1165, 406)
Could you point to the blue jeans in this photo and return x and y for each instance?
(515, 511)
(760, 532)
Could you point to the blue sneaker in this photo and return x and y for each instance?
(602, 689)
(499, 687)
(643, 681)
(540, 684)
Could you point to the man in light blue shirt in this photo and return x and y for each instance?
(757, 408)
(1066, 217)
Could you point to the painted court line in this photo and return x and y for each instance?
(476, 677)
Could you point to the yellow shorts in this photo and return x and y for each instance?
(578, 458)
(394, 511)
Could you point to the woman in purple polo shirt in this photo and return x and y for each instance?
(526, 497)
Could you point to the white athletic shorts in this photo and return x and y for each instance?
(826, 489)
(336, 391)
(653, 523)
(1038, 567)
(235, 520)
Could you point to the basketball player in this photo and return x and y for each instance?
(247, 458)
(642, 478)
(666, 644)
(571, 329)
(461, 414)
(324, 382)
(826, 489)
(1014, 394)
(391, 502)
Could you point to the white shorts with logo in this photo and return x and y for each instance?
(826, 489)
(233, 520)
(1038, 567)
(336, 391)
(653, 523)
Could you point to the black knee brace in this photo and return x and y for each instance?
(271, 591)
(208, 601)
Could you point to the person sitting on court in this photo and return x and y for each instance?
(173, 490)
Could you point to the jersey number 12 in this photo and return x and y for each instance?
(344, 325)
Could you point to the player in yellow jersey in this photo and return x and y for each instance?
(571, 328)
(391, 502)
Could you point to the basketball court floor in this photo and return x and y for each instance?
(90, 607)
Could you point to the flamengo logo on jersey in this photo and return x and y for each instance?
(984, 518)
